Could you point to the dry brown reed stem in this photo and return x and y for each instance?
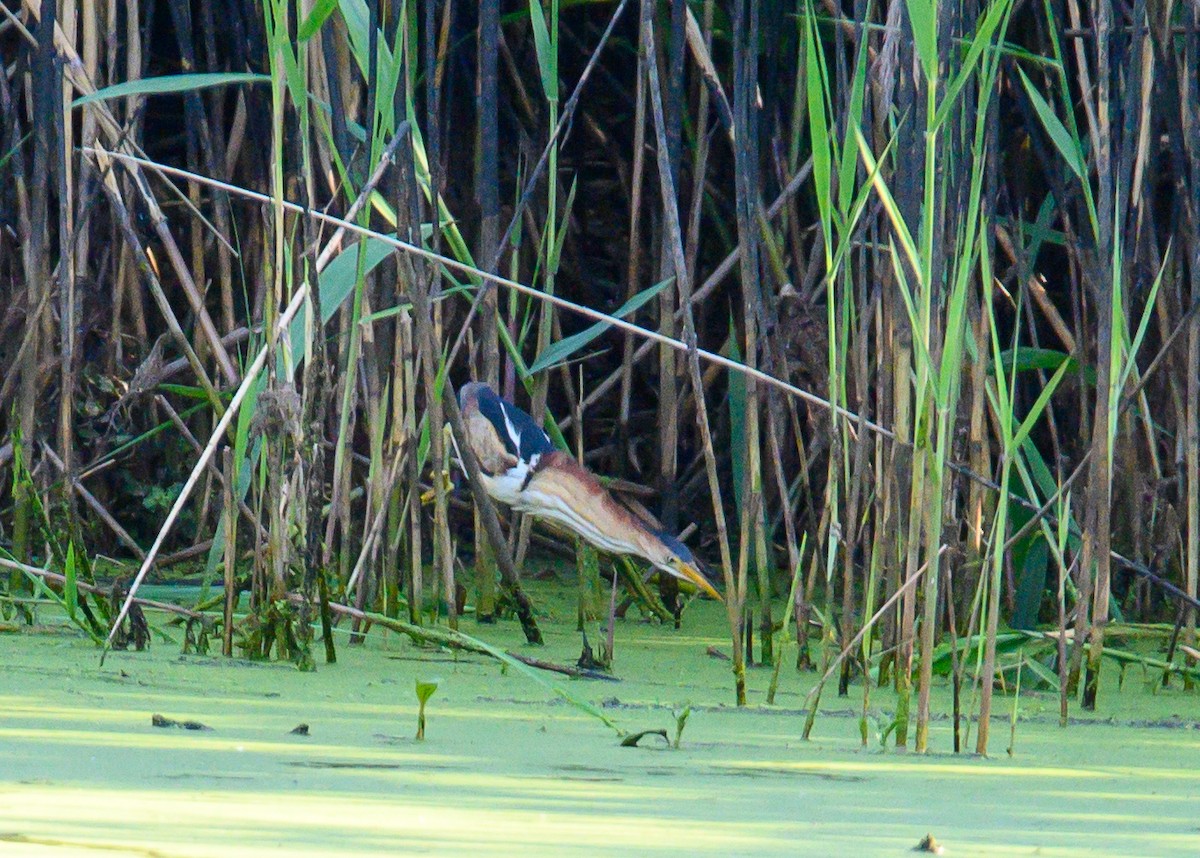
(789, 523)
(487, 191)
(700, 44)
(451, 639)
(36, 269)
(236, 336)
(423, 314)
(1097, 538)
(190, 290)
(184, 554)
(752, 538)
(230, 571)
(734, 595)
(435, 42)
(1189, 115)
(633, 267)
(21, 193)
(399, 500)
(13, 374)
(1035, 286)
(1193, 465)
(69, 244)
(408, 433)
(859, 481)
(667, 401)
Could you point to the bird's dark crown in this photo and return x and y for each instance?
(677, 548)
(685, 555)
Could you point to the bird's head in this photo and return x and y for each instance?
(673, 557)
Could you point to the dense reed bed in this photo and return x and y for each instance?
(895, 303)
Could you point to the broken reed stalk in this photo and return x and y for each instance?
(101, 512)
(458, 640)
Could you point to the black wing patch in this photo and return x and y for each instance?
(533, 439)
(522, 437)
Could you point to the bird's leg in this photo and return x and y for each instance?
(447, 482)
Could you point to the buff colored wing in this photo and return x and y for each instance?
(562, 490)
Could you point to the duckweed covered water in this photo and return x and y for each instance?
(508, 769)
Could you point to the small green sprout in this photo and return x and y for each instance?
(681, 716)
(425, 689)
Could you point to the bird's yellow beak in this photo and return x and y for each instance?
(693, 574)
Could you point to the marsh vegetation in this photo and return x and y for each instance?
(890, 310)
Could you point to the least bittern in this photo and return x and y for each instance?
(521, 468)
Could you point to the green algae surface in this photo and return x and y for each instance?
(508, 768)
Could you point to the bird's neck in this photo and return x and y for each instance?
(648, 544)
